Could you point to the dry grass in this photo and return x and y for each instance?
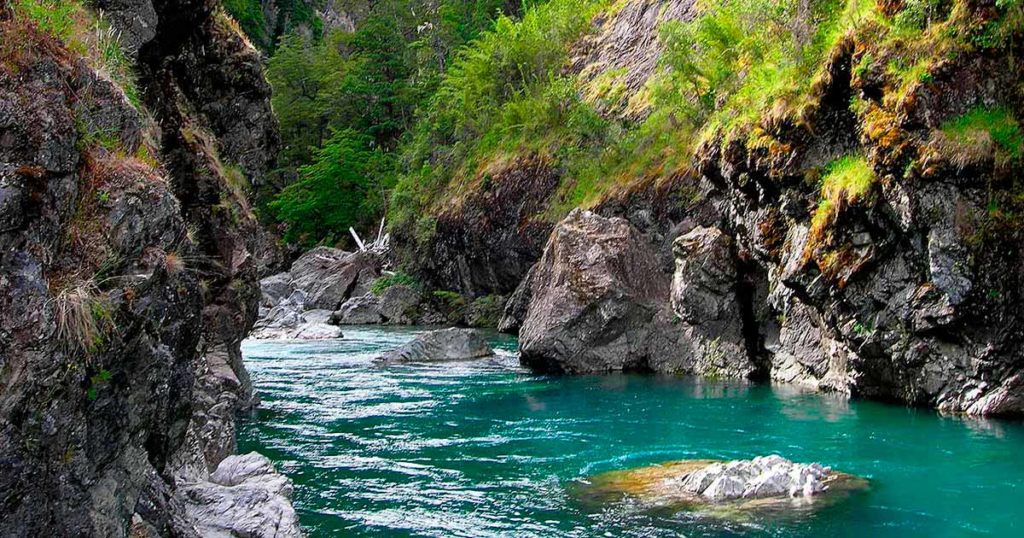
(82, 315)
(173, 263)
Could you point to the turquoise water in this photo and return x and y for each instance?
(485, 449)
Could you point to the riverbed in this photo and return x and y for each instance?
(484, 448)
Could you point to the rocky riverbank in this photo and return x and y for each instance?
(129, 260)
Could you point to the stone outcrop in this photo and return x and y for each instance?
(705, 297)
(486, 242)
(439, 346)
(397, 305)
(329, 276)
(128, 269)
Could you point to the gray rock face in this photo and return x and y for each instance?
(362, 310)
(397, 305)
(598, 302)
(768, 476)
(276, 288)
(704, 296)
(438, 346)
(245, 496)
(330, 276)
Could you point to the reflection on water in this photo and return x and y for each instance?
(485, 449)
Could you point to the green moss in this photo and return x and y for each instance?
(847, 178)
(385, 282)
(997, 124)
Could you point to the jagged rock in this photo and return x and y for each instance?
(768, 476)
(704, 296)
(487, 242)
(330, 276)
(168, 253)
(275, 288)
(769, 485)
(245, 496)
(444, 345)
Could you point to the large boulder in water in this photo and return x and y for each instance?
(443, 345)
(598, 301)
(330, 276)
(245, 496)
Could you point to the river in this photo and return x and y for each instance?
(486, 449)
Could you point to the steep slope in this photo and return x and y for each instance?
(129, 269)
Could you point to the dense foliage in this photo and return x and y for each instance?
(366, 84)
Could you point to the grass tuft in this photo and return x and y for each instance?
(82, 315)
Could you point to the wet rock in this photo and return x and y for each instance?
(597, 300)
(768, 476)
(245, 496)
(444, 345)
(771, 486)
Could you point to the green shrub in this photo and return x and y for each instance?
(382, 284)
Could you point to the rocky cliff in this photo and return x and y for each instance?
(129, 267)
(861, 234)
(872, 248)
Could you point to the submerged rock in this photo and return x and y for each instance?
(719, 488)
(245, 496)
(768, 476)
(443, 345)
